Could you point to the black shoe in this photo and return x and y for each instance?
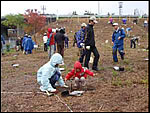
(95, 69)
(122, 57)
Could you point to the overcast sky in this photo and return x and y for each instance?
(67, 7)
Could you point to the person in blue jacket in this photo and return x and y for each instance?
(28, 45)
(23, 42)
(118, 42)
(124, 20)
(2, 42)
(80, 38)
(66, 41)
(128, 31)
(49, 74)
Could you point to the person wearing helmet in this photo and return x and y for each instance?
(80, 38)
(23, 42)
(49, 74)
(118, 42)
(29, 45)
(90, 44)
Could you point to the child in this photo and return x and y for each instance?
(79, 74)
(49, 74)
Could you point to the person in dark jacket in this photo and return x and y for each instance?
(133, 41)
(59, 40)
(90, 44)
(66, 41)
(21, 43)
(18, 44)
(118, 42)
(74, 40)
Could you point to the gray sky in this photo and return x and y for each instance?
(67, 7)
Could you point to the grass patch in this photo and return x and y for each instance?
(126, 61)
(25, 73)
(13, 58)
(129, 68)
(102, 68)
(144, 81)
(10, 51)
(115, 73)
(117, 82)
(4, 77)
(128, 82)
(33, 73)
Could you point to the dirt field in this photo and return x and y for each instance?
(107, 91)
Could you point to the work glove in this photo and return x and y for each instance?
(88, 47)
(82, 45)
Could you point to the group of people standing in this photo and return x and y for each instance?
(49, 74)
(55, 40)
(27, 44)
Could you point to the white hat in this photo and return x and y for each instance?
(115, 24)
(83, 25)
(53, 30)
(94, 19)
(57, 29)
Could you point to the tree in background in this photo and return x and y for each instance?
(14, 21)
(34, 21)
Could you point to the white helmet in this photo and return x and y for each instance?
(83, 25)
(115, 24)
(94, 19)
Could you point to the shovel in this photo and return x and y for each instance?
(71, 85)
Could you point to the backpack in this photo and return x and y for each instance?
(48, 40)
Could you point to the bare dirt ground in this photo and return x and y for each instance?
(107, 91)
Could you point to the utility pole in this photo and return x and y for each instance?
(98, 8)
(43, 8)
(120, 9)
(57, 15)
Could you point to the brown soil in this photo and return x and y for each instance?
(107, 91)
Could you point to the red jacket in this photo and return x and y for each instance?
(52, 41)
(83, 72)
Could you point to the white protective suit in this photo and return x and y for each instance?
(47, 71)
